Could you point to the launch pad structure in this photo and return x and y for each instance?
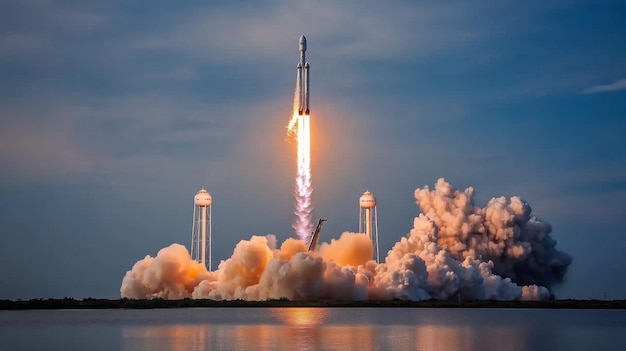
(368, 220)
(201, 229)
(315, 235)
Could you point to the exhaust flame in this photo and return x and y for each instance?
(303, 187)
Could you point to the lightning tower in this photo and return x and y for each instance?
(201, 236)
(368, 219)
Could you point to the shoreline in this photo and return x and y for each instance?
(91, 303)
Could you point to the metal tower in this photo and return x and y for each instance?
(368, 220)
(201, 227)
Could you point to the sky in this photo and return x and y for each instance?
(114, 114)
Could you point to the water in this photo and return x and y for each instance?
(304, 329)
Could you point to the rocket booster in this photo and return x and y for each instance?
(302, 79)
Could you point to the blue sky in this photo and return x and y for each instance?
(113, 115)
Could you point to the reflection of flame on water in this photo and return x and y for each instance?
(304, 330)
(301, 316)
(171, 338)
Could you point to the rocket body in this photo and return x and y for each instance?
(302, 79)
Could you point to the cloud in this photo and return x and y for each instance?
(27, 151)
(12, 44)
(73, 137)
(42, 140)
(615, 86)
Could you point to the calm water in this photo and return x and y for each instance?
(361, 329)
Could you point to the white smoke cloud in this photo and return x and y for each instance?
(454, 250)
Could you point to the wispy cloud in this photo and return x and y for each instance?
(615, 86)
(31, 151)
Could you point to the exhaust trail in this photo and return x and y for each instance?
(303, 185)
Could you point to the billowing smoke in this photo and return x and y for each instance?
(504, 232)
(455, 250)
(172, 274)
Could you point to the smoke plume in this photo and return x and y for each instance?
(455, 250)
(504, 232)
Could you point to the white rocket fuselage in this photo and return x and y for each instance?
(302, 79)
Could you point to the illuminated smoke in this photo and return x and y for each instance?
(455, 250)
(172, 274)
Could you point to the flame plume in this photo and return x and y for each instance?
(300, 126)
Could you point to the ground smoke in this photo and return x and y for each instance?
(455, 250)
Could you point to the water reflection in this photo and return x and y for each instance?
(457, 338)
(301, 316)
(359, 329)
(305, 329)
(171, 338)
(338, 337)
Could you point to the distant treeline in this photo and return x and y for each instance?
(90, 303)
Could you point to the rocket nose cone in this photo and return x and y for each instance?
(302, 43)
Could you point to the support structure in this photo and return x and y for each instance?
(315, 235)
(201, 235)
(368, 220)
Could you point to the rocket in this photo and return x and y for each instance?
(302, 79)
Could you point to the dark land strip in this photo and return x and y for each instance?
(91, 303)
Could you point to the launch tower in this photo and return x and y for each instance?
(201, 239)
(368, 220)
